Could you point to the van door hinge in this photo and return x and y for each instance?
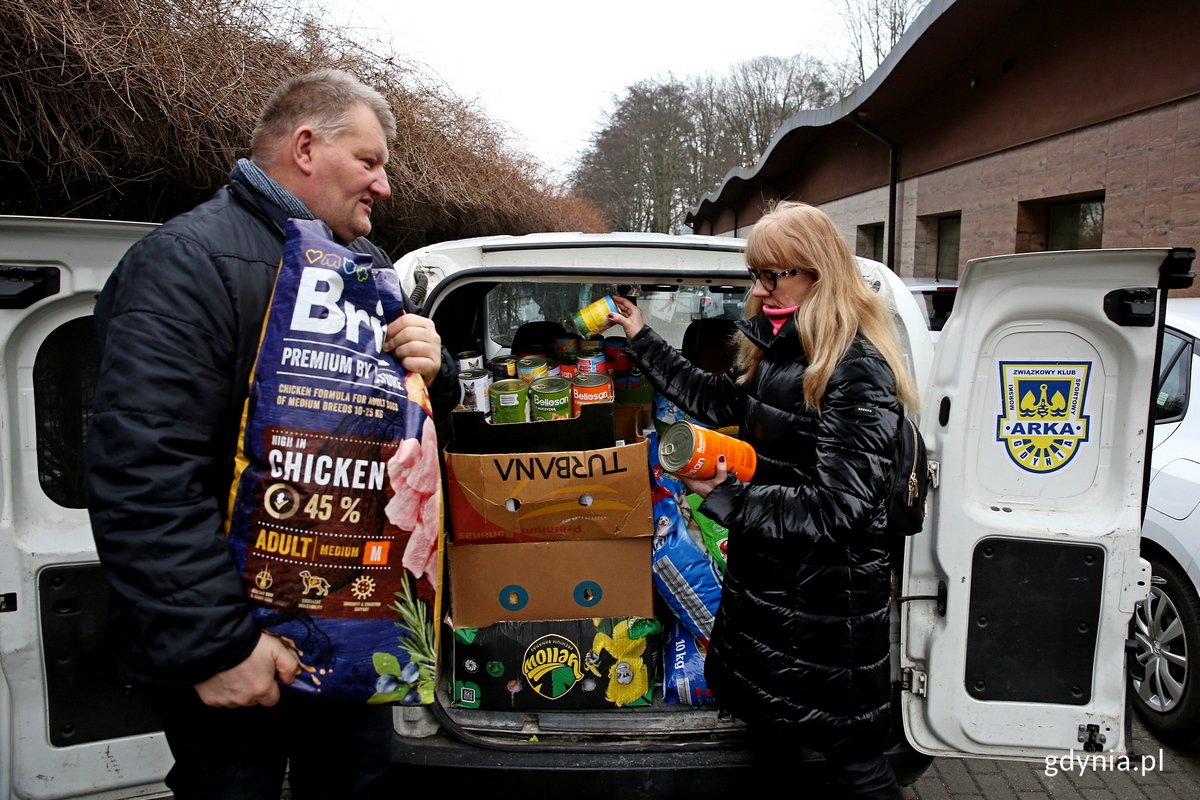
(8, 602)
(1091, 737)
(912, 680)
(935, 473)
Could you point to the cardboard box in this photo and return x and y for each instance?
(557, 664)
(549, 580)
(572, 493)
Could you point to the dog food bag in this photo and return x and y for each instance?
(335, 513)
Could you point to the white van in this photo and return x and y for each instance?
(1012, 607)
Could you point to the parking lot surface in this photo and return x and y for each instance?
(1154, 772)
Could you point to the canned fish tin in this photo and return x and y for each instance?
(503, 367)
(530, 368)
(510, 401)
(590, 387)
(593, 317)
(691, 451)
(475, 384)
(469, 359)
(550, 398)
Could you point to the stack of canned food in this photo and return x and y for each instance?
(526, 387)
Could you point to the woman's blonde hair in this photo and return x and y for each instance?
(839, 306)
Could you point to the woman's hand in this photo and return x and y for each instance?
(702, 486)
(629, 318)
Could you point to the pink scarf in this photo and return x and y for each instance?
(778, 316)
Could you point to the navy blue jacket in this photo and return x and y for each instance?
(801, 636)
(178, 326)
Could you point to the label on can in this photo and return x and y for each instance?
(590, 387)
(614, 351)
(550, 398)
(564, 346)
(530, 368)
(593, 317)
(503, 367)
(591, 363)
(510, 401)
(692, 450)
(475, 384)
(469, 359)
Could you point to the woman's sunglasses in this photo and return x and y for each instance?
(769, 278)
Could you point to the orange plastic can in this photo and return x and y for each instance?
(692, 450)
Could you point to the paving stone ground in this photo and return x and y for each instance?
(1170, 774)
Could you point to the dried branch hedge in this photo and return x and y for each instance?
(137, 109)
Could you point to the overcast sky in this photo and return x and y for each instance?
(550, 69)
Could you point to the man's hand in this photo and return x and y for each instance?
(252, 682)
(413, 339)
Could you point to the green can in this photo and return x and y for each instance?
(550, 398)
(509, 400)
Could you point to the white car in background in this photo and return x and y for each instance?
(936, 297)
(1165, 673)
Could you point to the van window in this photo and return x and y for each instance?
(64, 382)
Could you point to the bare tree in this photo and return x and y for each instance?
(636, 166)
(874, 27)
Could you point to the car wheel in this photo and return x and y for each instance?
(1166, 670)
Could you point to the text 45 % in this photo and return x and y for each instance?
(320, 506)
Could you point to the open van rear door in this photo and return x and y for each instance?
(1016, 597)
(68, 725)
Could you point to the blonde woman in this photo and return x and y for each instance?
(800, 648)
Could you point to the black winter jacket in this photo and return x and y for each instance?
(801, 637)
(178, 327)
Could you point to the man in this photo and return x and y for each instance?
(178, 329)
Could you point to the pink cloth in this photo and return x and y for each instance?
(778, 316)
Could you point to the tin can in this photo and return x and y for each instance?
(475, 384)
(550, 398)
(509, 400)
(692, 450)
(589, 347)
(564, 347)
(593, 317)
(592, 363)
(553, 367)
(530, 368)
(614, 351)
(469, 359)
(503, 367)
(567, 369)
(590, 387)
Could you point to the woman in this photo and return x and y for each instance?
(800, 648)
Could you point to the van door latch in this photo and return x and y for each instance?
(1091, 737)
(8, 602)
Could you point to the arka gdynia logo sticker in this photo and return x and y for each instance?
(1042, 425)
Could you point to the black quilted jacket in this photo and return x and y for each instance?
(801, 637)
(177, 332)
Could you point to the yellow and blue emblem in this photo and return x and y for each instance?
(1042, 425)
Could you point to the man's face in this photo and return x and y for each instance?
(348, 176)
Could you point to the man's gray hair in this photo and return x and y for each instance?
(321, 99)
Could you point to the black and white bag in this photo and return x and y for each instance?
(910, 482)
